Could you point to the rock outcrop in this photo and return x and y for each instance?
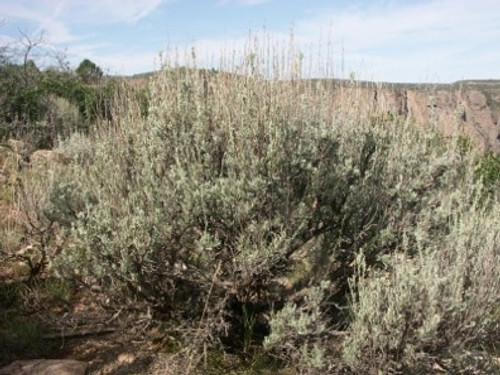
(469, 107)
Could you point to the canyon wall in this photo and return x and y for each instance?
(470, 107)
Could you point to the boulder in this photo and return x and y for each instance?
(46, 367)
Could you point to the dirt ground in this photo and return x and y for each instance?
(111, 341)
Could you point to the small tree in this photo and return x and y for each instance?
(29, 42)
(89, 72)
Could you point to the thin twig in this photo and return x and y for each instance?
(74, 334)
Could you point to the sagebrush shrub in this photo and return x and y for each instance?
(439, 294)
(206, 207)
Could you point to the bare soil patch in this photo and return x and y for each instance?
(85, 329)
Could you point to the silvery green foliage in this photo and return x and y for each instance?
(232, 180)
(439, 293)
(189, 203)
(299, 330)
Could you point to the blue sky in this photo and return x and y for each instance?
(384, 40)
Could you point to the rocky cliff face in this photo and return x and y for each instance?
(471, 107)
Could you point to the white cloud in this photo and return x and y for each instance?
(56, 17)
(126, 64)
(408, 41)
(6, 40)
(115, 10)
(393, 40)
(439, 20)
(243, 2)
(80, 10)
(224, 51)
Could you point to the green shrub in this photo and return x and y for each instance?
(207, 201)
(43, 106)
(299, 332)
(207, 207)
(10, 294)
(439, 294)
(488, 170)
(22, 336)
